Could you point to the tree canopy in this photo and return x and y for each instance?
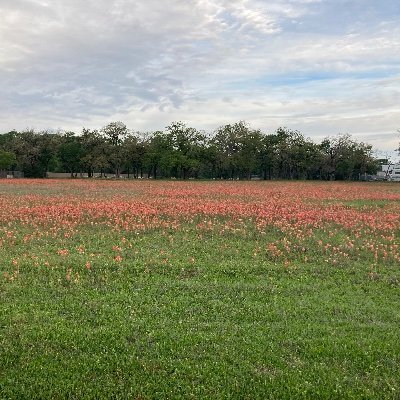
(232, 151)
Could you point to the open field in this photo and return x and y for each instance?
(147, 289)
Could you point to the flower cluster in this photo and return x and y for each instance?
(295, 221)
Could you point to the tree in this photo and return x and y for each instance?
(94, 154)
(346, 159)
(235, 151)
(267, 155)
(134, 155)
(227, 143)
(7, 159)
(6, 139)
(248, 157)
(36, 153)
(115, 133)
(70, 153)
(285, 139)
(187, 144)
(159, 155)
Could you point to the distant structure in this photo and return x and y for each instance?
(11, 174)
(390, 172)
(68, 175)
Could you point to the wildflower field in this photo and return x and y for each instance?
(155, 289)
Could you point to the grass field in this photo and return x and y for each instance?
(242, 290)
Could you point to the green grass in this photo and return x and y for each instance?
(228, 324)
(208, 307)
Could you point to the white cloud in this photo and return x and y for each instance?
(298, 63)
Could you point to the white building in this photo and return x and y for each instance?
(390, 172)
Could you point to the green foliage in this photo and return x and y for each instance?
(346, 159)
(115, 132)
(187, 146)
(70, 152)
(233, 151)
(7, 159)
(36, 153)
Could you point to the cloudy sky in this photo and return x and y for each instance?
(320, 66)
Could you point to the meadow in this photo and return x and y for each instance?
(167, 289)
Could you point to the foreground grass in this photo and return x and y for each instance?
(188, 313)
(212, 321)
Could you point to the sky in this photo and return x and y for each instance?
(322, 67)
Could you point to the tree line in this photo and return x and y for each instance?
(233, 151)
